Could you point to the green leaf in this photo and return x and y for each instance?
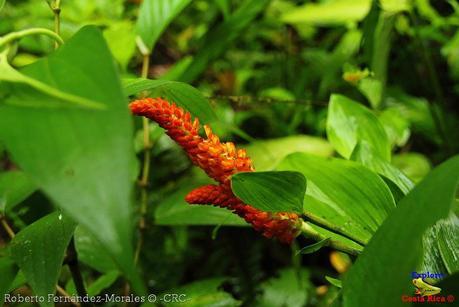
(8, 272)
(335, 282)
(319, 233)
(349, 122)
(15, 187)
(372, 90)
(342, 195)
(266, 154)
(328, 13)
(155, 16)
(203, 293)
(174, 210)
(314, 247)
(182, 94)
(82, 159)
(291, 288)
(217, 40)
(102, 283)
(9, 74)
(120, 38)
(91, 252)
(443, 246)
(381, 47)
(39, 251)
(2, 4)
(271, 191)
(383, 269)
(396, 125)
(364, 154)
(415, 165)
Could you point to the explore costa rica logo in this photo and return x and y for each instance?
(425, 290)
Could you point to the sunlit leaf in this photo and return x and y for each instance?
(349, 122)
(266, 154)
(329, 13)
(155, 16)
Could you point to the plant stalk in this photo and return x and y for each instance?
(309, 232)
(74, 266)
(143, 182)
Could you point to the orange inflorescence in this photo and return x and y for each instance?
(220, 161)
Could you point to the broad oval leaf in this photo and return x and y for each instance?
(342, 195)
(180, 93)
(155, 16)
(39, 251)
(81, 158)
(401, 235)
(271, 191)
(349, 122)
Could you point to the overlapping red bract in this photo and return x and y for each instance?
(220, 161)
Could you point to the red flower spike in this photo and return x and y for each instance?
(220, 161)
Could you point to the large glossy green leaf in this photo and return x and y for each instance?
(182, 94)
(271, 191)
(266, 154)
(39, 251)
(328, 13)
(15, 186)
(342, 195)
(349, 122)
(383, 269)
(365, 154)
(81, 158)
(218, 39)
(155, 16)
(8, 272)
